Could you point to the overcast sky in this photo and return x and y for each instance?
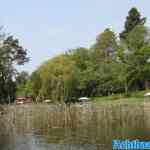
(49, 27)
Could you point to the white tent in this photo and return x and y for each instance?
(83, 99)
(47, 101)
(147, 94)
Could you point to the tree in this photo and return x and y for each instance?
(33, 85)
(132, 20)
(80, 56)
(105, 46)
(133, 40)
(102, 61)
(21, 81)
(11, 54)
(135, 59)
(111, 65)
(56, 79)
(137, 38)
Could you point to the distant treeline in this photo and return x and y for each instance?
(113, 64)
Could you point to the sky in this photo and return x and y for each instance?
(47, 28)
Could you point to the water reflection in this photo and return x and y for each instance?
(58, 127)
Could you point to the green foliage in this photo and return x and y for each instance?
(11, 54)
(111, 66)
(55, 79)
(105, 46)
(21, 81)
(132, 20)
(137, 38)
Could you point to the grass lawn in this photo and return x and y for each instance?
(136, 97)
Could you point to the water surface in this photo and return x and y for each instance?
(78, 127)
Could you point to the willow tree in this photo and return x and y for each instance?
(58, 79)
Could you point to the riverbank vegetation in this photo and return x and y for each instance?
(116, 64)
(112, 65)
(134, 97)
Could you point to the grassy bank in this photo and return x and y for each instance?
(136, 97)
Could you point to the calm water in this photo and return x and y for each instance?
(86, 127)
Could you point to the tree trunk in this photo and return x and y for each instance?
(126, 88)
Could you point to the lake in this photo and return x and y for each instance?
(78, 127)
